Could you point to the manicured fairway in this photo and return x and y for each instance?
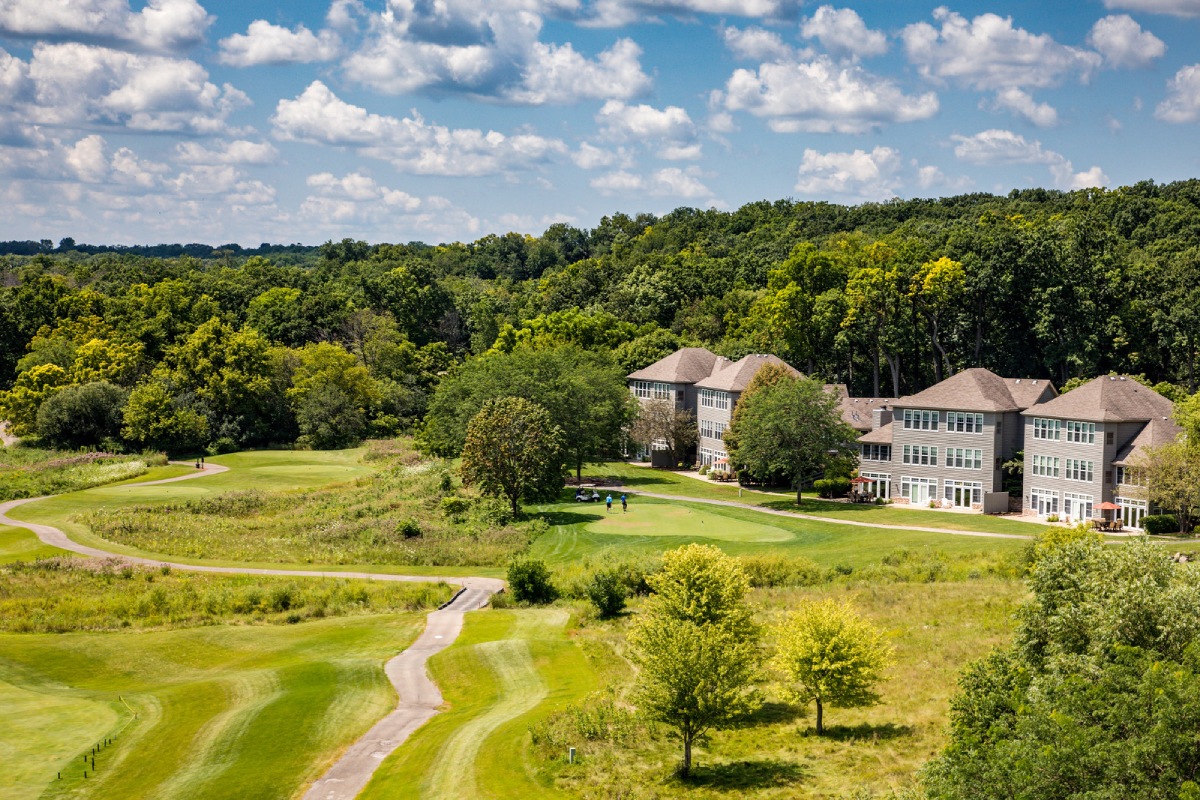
(507, 671)
(662, 519)
(18, 544)
(221, 712)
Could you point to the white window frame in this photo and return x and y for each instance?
(921, 455)
(1044, 466)
(1080, 432)
(907, 483)
(876, 452)
(1047, 428)
(975, 487)
(964, 458)
(1133, 511)
(964, 422)
(916, 419)
(1072, 501)
(714, 398)
(1077, 469)
(1052, 497)
(881, 483)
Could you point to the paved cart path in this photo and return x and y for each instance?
(419, 696)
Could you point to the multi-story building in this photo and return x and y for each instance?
(945, 446)
(716, 397)
(1079, 448)
(674, 377)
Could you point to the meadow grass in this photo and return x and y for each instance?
(29, 472)
(507, 671)
(213, 712)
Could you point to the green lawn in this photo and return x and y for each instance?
(580, 532)
(215, 712)
(18, 544)
(507, 671)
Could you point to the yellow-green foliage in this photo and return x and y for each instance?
(68, 594)
(831, 655)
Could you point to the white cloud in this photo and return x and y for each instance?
(1022, 103)
(868, 176)
(756, 44)
(669, 182)
(1001, 147)
(989, 53)
(842, 32)
(1123, 43)
(822, 97)
(239, 151)
(264, 43)
(1182, 103)
(78, 85)
(164, 26)
(1177, 8)
(487, 50)
(640, 121)
(357, 201)
(362, 188)
(588, 156)
(616, 13)
(410, 144)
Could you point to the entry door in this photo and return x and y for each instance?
(918, 493)
(961, 496)
(1046, 504)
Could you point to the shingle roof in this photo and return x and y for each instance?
(858, 412)
(1109, 398)
(881, 435)
(736, 377)
(1154, 433)
(979, 389)
(687, 365)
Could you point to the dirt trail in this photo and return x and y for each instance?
(419, 696)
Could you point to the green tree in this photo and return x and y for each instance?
(695, 646)
(278, 314)
(1170, 478)
(832, 656)
(791, 428)
(157, 417)
(329, 419)
(19, 405)
(660, 424)
(82, 415)
(514, 450)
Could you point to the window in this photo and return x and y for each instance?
(1077, 506)
(964, 458)
(920, 454)
(709, 455)
(1043, 501)
(876, 452)
(1108, 437)
(1132, 511)
(881, 483)
(917, 420)
(964, 422)
(1046, 428)
(711, 398)
(1077, 470)
(963, 494)
(1081, 432)
(1130, 476)
(652, 390)
(711, 429)
(918, 490)
(1043, 466)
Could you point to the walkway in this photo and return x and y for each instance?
(419, 696)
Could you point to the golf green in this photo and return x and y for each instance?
(661, 519)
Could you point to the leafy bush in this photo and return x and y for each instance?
(607, 593)
(832, 487)
(455, 506)
(529, 582)
(703, 469)
(767, 571)
(409, 529)
(1156, 524)
(82, 415)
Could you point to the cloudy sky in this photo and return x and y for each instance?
(124, 121)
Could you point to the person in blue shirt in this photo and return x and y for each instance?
(624, 504)
(608, 502)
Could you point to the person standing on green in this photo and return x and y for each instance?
(608, 503)
(624, 504)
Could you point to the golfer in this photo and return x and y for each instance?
(624, 504)
(608, 502)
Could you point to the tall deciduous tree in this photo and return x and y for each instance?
(514, 450)
(832, 656)
(696, 646)
(1170, 478)
(791, 428)
(660, 424)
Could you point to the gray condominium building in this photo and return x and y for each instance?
(945, 446)
(716, 397)
(1079, 448)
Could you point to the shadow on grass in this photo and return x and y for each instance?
(648, 479)
(554, 518)
(772, 713)
(863, 733)
(740, 776)
(817, 506)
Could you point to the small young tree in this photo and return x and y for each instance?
(607, 593)
(1170, 477)
(832, 656)
(696, 646)
(793, 428)
(513, 450)
(659, 422)
(529, 581)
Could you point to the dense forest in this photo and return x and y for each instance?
(188, 345)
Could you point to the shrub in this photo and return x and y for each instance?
(703, 469)
(1052, 518)
(607, 593)
(82, 415)
(1156, 524)
(832, 487)
(409, 529)
(775, 570)
(455, 506)
(529, 582)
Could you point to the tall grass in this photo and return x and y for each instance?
(68, 594)
(29, 472)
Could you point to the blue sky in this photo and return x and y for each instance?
(444, 120)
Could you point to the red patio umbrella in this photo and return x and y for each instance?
(861, 480)
(1107, 506)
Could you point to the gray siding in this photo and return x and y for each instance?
(1100, 454)
(714, 415)
(989, 440)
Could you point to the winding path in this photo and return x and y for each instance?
(419, 696)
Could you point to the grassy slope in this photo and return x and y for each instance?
(579, 532)
(18, 544)
(233, 712)
(507, 671)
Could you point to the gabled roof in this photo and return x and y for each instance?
(687, 365)
(979, 389)
(736, 377)
(881, 435)
(859, 412)
(1109, 398)
(1155, 433)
